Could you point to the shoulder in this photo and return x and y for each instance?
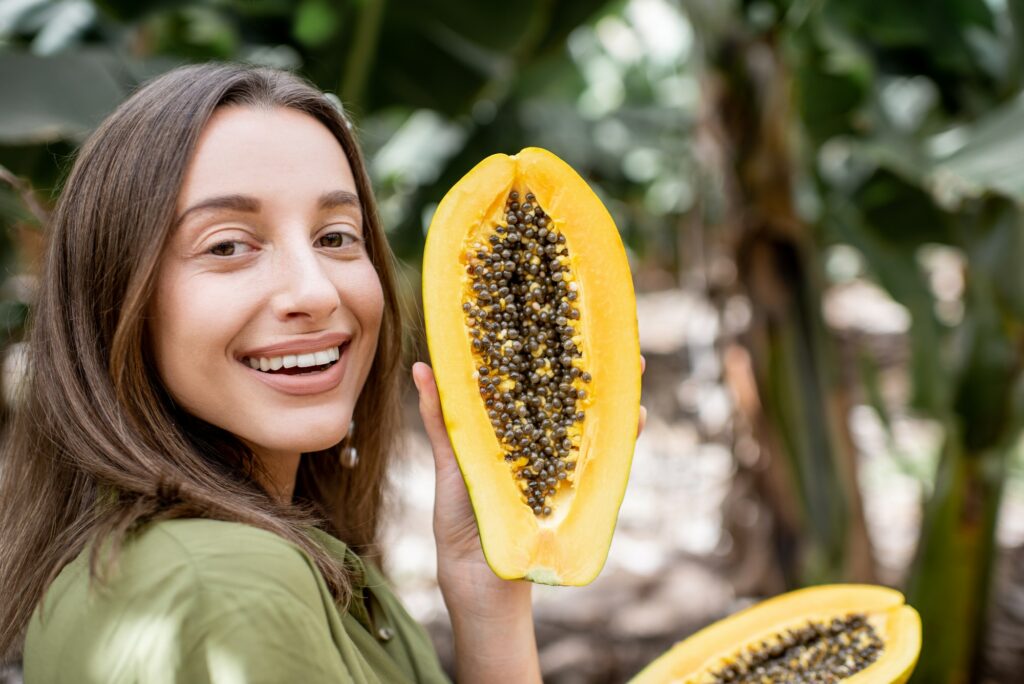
(213, 553)
(190, 556)
(196, 538)
(183, 557)
(180, 587)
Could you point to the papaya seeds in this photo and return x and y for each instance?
(525, 335)
(816, 652)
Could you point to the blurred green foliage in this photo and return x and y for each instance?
(910, 121)
(433, 86)
(907, 129)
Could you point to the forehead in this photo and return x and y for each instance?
(266, 153)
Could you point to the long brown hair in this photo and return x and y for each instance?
(96, 446)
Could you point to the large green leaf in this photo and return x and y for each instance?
(833, 77)
(983, 157)
(894, 265)
(65, 96)
(921, 37)
(446, 54)
(128, 10)
(900, 213)
(961, 163)
(992, 333)
(54, 98)
(994, 240)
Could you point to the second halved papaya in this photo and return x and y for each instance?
(855, 634)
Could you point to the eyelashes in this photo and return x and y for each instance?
(338, 239)
(335, 240)
(228, 248)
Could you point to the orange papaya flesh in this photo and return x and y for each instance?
(531, 324)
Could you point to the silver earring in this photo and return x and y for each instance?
(349, 456)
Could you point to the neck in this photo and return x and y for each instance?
(279, 471)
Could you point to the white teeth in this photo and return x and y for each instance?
(309, 360)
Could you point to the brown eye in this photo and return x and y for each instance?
(229, 248)
(226, 248)
(335, 240)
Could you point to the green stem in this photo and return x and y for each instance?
(360, 57)
(950, 582)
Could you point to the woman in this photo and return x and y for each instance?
(181, 510)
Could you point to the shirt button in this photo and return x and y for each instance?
(385, 633)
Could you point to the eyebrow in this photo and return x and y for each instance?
(251, 205)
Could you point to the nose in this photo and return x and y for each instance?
(303, 288)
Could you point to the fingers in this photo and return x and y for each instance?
(430, 411)
(452, 509)
(643, 364)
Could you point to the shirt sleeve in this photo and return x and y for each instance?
(245, 636)
(202, 602)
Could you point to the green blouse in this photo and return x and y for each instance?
(208, 601)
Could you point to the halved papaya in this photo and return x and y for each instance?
(857, 634)
(531, 324)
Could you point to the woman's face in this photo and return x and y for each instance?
(267, 309)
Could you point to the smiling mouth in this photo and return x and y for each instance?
(311, 363)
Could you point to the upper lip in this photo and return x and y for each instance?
(304, 345)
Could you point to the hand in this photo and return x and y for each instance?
(492, 618)
(460, 556)
(462, 568)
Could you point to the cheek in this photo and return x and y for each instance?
(367, 302)
(169, 333)
(189, 328)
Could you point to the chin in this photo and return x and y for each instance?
(303, 437)
(309, 443)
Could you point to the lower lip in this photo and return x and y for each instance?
(299, 385)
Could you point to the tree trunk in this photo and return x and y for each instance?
(801, 396)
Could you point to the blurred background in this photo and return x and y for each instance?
(822, 205)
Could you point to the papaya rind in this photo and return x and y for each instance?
(542, 575)
(906, 622)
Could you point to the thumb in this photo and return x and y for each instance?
(430, 412)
